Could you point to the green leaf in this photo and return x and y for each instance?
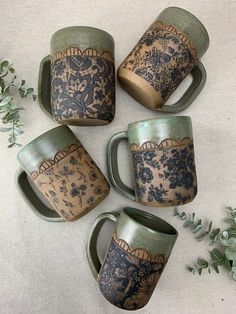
(13, 117)
(18, 131)
(4, 64)
(186, 223)
(215, 267)
(230, 253)
(30, 90)
(190, 268)
(225, 234)
(183, 216)
(202, 263)
(197, 229)
(6, 100)
(11, 69)
(209, 227)
(217, 256)
(5, 129)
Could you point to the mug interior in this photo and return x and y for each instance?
(150, 221)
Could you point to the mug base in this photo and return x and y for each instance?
(139, 89)
(83, 121)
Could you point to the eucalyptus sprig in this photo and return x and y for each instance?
(9, 110)
(226, 238)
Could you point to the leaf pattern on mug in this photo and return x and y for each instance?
(128, 277)
(163, 57)
(71, 181)
(165, 174)
(83, 86)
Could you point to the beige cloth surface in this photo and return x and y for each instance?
(43, 266)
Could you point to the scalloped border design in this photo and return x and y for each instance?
(90, 52)
(182, 36)
(166, 143)
(139, 253)
(58, 156)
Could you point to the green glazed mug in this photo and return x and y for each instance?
(77, 81)
(136, 257)
(163, 161)
(167, 52)
(65, 174)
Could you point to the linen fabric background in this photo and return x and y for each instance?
(44, 269)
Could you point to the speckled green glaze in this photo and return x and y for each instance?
(157, 130)
(187, 23)
(81, 37)
(141, 229)
(45, 147)
(137, 255)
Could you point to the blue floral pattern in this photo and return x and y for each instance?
(163, 57)
(83, 87)
(127, 280)
(165, 175)
(71, 182)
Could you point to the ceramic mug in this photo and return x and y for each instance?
(77, 81)
(136, 257)
(167, 52)
(64, 172)
(163, 160)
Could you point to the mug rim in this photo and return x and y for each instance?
(166, 118)
(85, 27)
(158, 220)
(192, 16)
(26, 147)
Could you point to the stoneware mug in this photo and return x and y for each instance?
(64, 172)
(77, 81)
(167, 52)
(163, 161)
(136, 257)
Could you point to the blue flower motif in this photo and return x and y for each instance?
(140, 191)
(99, 94)
(145, 174)
(156, 193)
(156, 57)
(138, 157)
(149, 155)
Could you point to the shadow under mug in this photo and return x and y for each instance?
(163, 161)
(136, 257)
(76, 84)
(65, 174)
(167, 52)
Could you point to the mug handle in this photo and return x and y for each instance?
(199, 79)
(112, 163)
(92, 253)
(44, 86)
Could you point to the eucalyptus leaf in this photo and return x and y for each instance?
(5, 129)
(9, 109)
(230, 253)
